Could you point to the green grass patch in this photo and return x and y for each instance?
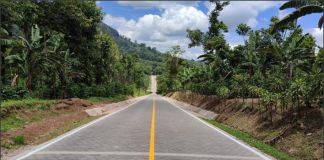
(117, 98)
(16, 141)
(27, 102)
(7, 145)
(141, 92)
(19, 140)
(12, 122)
(251, 141)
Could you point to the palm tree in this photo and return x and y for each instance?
(302, 8)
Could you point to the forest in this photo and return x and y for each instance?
(150, 58)
(278, 66)
(61, 49)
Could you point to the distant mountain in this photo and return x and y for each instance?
(150, 58)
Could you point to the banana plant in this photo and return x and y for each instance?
(287, 52)
(5, 42)
(302, 8)
(250, 56)
(36, 56)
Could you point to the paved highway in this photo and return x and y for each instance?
(152, 128)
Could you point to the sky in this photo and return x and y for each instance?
(163, 24)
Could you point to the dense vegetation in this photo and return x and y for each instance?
(60, 49)
(278, 65)
(150, 58)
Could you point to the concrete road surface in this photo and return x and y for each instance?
(149, 129)
(153, 84)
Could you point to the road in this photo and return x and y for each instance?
(152, 128)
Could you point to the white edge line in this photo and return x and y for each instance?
(74, 131)
(225, 134)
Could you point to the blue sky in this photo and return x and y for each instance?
(162, 24)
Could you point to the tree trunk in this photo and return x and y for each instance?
(252, 102)
(250, 68)
(298, 111)
(280, 66)
(29, 80)
(14, 80)
(271, 114)
(54, 86)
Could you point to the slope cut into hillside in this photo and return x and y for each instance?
(300, 138)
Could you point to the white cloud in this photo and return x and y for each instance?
(114, 21)
(157, 4)
(163, 31)
(169, 29)
(97, 2)
(282, 14)
(318, 34)
(242, 12)
(233, 45)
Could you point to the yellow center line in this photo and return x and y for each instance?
(152, 133)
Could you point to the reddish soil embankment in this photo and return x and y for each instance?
(300, 137)
(44, 122)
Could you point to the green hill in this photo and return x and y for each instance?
(150, 58)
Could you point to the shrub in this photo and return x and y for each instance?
(19, 140)
(42, 92)
(109, 90)
(13, 92)
(6, 145)
(130, 89)
(79, 90)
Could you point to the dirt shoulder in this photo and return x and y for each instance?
(301, 138)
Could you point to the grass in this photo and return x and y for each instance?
(141, 92)
(251, 141)
(117, 98)
(16, 141)
(27, 102)
(19, 140)
(12, 122)
(97, 99)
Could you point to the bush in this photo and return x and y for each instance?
(13, 92)
(130, 89)
(118, 88)
(19, 140)
(79, 90)
(42, 93)
(109, 90)
(320, 103)
(105, 90)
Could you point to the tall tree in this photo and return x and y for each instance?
(213, 40)
(243, 30)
